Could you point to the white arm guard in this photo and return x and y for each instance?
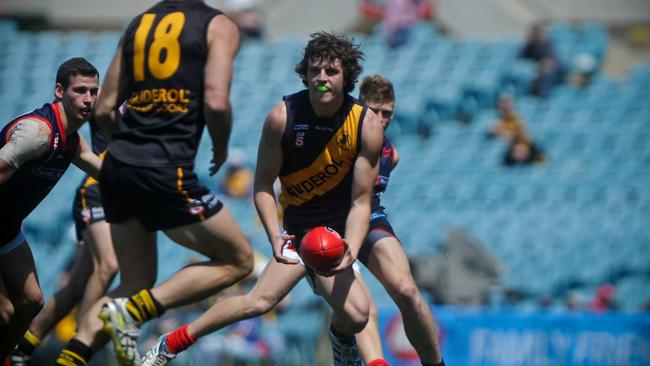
(28, 141)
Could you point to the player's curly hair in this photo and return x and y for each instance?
(331, 46)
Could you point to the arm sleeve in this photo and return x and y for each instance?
(28, 141)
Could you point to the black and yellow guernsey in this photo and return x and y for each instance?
(318, 159)
(164, 55)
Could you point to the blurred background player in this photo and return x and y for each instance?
(93, 268)
(35, 150)
(324, 136)
(383, 254)
(148, 178)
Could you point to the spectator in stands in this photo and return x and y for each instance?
(605, 299)
(583, 68)
(523, 150)
(248, 16)
(539, 48)
(238, 181)
(400, 16)
(509, 122)
(573, 300)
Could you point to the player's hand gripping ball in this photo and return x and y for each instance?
(322, 248)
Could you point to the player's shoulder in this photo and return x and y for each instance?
(277, 117)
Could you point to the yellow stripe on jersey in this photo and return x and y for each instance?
(330, 167)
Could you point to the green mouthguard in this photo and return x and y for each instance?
(322, 89)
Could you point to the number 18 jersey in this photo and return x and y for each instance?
(164, 51)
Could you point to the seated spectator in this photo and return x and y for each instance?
(522, 151)
(238, 181)
(509, 122)
(583, 68)
(604, 300)
(539, 48)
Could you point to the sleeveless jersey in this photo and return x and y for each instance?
(386, 161)
(164, 55)
(318, 156)
(35, 178)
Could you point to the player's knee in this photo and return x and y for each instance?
(6, 312)
(107, 268)
(405, 293)
(261, 305)
(245, 264)
(33, 302)
(358, 321)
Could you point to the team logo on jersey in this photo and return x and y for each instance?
(300, 139)
(343, 140)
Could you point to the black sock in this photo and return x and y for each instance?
(28, 343)
(75, 353)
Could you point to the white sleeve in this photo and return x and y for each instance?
(28, 141)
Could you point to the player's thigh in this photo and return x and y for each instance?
(218, 237)
(97, 237)
(18, 273)
(343, 292)
(388, 262)
(136, 252)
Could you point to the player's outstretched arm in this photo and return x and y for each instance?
(111, 95)
(269, 162)
(223, 43)
(86, 160)
(365, 172)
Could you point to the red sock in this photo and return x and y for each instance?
(378, 362)
(178, 340)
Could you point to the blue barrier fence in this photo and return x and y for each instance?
(520, 338)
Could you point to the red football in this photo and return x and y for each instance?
(322, 248)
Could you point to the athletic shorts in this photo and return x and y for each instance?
(87, 207)
(379, 228)
(160, 197)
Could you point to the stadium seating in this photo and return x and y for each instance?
(575, 222)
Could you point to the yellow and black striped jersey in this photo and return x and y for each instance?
(318, 159)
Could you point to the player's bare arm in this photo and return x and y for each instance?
(269, 162)
(86, 160)
(365, 171)
(28, 140)
(111, 95)
(223, 42)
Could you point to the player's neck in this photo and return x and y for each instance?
(329, 109)
(68, 126)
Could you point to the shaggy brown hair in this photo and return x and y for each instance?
(329, 46)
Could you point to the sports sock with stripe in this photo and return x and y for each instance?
(179, 340)
(143, 307)
(28, 343)
(74, 354)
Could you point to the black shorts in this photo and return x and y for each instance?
(160, 197)
(87, 207)
(379, 228)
